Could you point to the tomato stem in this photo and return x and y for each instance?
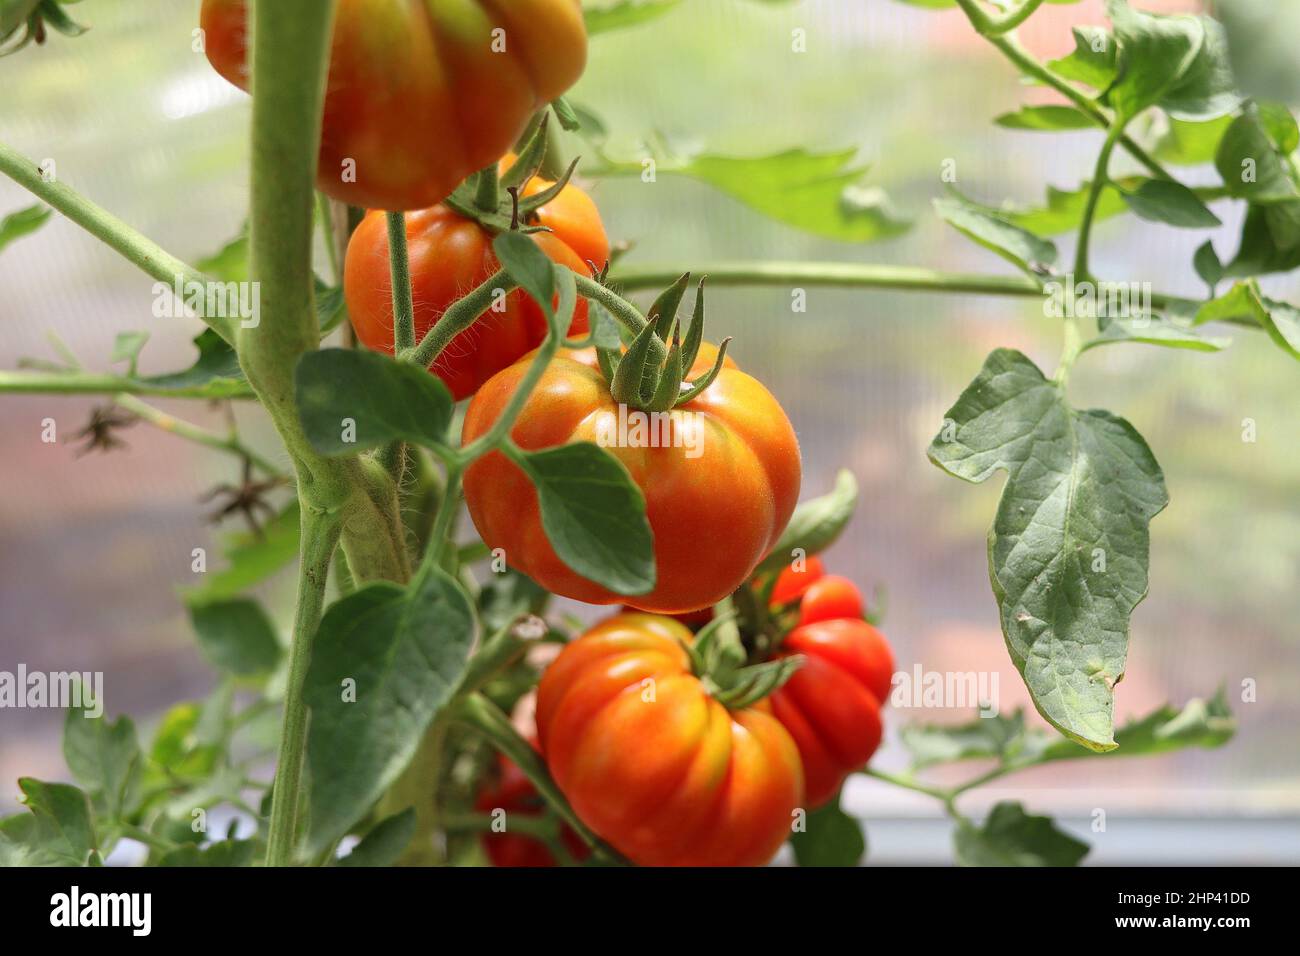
(488, 192)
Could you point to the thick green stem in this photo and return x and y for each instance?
(320, 534)
(113, 232)
(846, 274)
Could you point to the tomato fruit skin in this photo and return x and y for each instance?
(652, 763)
(420, 93)
(714, 516)
(514, 793)
(791, 584)
(831, 706)
(450, 255)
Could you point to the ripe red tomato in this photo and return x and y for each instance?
(714, 515)
(831, 706)
(450, 255)
(791, 584)
(420, 95)
(514, 793)
(653, 763)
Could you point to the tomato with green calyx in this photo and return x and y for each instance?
(422, 93)
(720, 472)
(652, 762)
(451, 253)
(512, 792)
(831, 705)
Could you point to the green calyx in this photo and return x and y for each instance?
(35, 14)
(495, 201)
(718, 660)
(644, 377)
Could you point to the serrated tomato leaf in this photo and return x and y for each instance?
(1011, 837)
(1068, 550)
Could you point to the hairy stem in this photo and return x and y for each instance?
(458, 317)
(113, 232)
(92, 383)
(191, 432)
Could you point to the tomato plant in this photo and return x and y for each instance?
(606, 453)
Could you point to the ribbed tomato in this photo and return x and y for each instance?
(421, 93)
(655, 765)
(831, 706)
(449, 255)
(714, 514)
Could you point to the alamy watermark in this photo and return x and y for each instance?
(190, 298)
(946, 689)
(1097, 300)
(634, 428)
(60, 690)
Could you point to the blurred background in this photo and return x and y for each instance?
(94, 549)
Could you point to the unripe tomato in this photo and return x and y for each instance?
(449, 255)
(514, 793)
(831, 706)
(653, 764)
(714, 514)
(421, 93)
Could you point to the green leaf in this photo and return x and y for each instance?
(1251, 165)
(998, 736)
(1244, 301)
(820, 193)
(527, 265)
(1011, 837)
(1191, 143)
(1064, 210)
(625, 13)
(1156, 330)
(230, 262)
(507, 596)
(1051, 118)
(1207, 265)
(1014, 243)
(58, 831)
(593, 514)
(214, 374)
(24, 221)
(1200, 723)
(832, 838)
(251, 558)
(1068, 549)
(1155, 55)
(1092, 62)
(1261, 41)
(1207, 89)
(815, 524)
(127, 346)
(225, 853)
(236, 636)
(384, 661)
(105, 759)
(351, 400)
(178, 748)
(1163, 200)
(385, 843)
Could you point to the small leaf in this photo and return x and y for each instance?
(999, 736)
(1014, 243)
(528, 266)
(1207, 265)
(593, 515)
(1280, 320)
(832, 838)
(384, 661)
(104, 758)
(1156, 330)
(385, 843)
(1069, 546)
(1011, 837)
(58, 830)
(1252, 166)
(1050, 118)
(250, 558)
(1092, 61)
(351, 400)
(127, 346)
(1155, 54)
(24, 221)
(224, 853)
(214, 374)
(815, 524)
(236, 636)
(1163, 200)
(1200, 723)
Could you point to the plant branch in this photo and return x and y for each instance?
(458, 317)
(990, 26)
(113, 232)
(191, 432)
(93, 383)
(320, 535)
(400, 269)
(846, 274)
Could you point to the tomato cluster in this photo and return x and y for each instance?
(513, 793)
